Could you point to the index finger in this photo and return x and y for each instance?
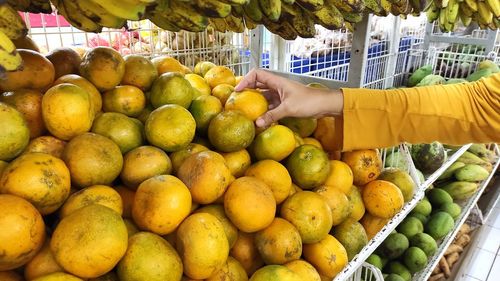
(258, 77)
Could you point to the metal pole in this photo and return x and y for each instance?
(390, 70)
(359, 53)
(256, 45)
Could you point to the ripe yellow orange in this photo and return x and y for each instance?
(276, 143)
(232, 270)
(161, 203)
(220, 75)
(139, 72)
(92, 159)
(382, 198)
(202, 245)
(128, 100)
(356, 202)
(274, 175)
(312, 141)
(46, 144)
(204, 109)
(142, 163)
(202, 67)
(178, 157)
(274, 273)
(43, 263)
(206, 175)
(95, 96)
(245, 251)
(58, 276)
(170, 127)
(218, 211)
(326, 131)
(15, 134)
(372, 224)
(240, 207)
(90, 241)
(29, 104)
(310, 214)
(366, 165)
(340, 176)
(23, 231)
(338, 202)
(304, 269)
(128, 197)
(97, 194)
(171, 88)
(222, 92)
(40, 178)
(237, 162)
(10, 275)
(104, 67)
(279, 243)
(302, 126)
(231, 131)
(328, 256)
(198, 83)
(67, 111)
(251, 102)
(126, 132)
(166, 64)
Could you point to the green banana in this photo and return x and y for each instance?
(162, 22)
(186, 17)
(71, 13)
(352, 17)
(452, 11)
(100, 16)
(235, 24)
(31, 6)
(494, 7)
(271, 9)
(289, 2)
(235, 2)
(303, 25)
(386, 5)
(252, 10)
(485, 14)
(290, 11)
(237, 11)
(11, 23)
(374, 7)
(10, 60)
(349, 6)
(309, 5)
(465, 10)
(249, 23)
(284, 29)
(441, 3)
(328, 16)
(212, 8)
(122, 9)
(219, 24)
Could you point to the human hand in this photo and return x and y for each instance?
(288, 98)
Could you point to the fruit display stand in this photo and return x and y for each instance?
(467, 207)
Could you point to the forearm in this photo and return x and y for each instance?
(453, 114)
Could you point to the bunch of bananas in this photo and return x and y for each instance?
(12, 27)
(447, 12)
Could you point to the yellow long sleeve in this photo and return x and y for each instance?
(451, 114)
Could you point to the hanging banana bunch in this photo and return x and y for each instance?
(12, 27)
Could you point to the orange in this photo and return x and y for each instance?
(366, 165)
(15, 134)
(351, 235)
(123, 130)
(202, 245)
(37, 73)
(178, 157)
(43, 263)
(67, 111)
(204, 109)
(131, 227)
(160, 204)
(382, 198)
(302, 126)
(279, 243)
(206, 175)
(10, 276)
(65, 61)
(104, 67)
(142, 163)
(218, 211)
(310, 214)
(274, 175)
(171, 88)
(313, 141)
(23, 231)
(276, 143)
(275, 273)
(304, 269)
(145, 113)
(326, 131)
(199, 84)
(166, 64)
(340, 176)
(96, 194)
(58, 276)
(222, 92)
(294, 189)
(372, 224)
(356, 202)
(128, 100)
(231, 271)
(202, 67)
(29, 104)
(92, 159)
(127, 197)
(328, 256)
(231, 131)
(401, 179)
(245, 251)
(308, 166)
(25, 42)
(46, 144)
(250, 102)
(237, 162)
(298, 140)
(220, 75)
(241, 208)
(40, 178)
(170, 127)
(338, 202)
(139, 72)
(95, 96)
(149, 257)
(75, 247)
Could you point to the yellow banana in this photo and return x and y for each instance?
(386, 5)
(352, 17)
(349, 26)
(212, 8)
(235, 2)
(349, 6)
(290, 11)
(186, 17)
(122, 9)
(289, 2)
(283, 29)
(311, 4)
(10, 60)
(249, 23)
(99, 15)
(75, 17)
(465, 10)
(494, 7)
(40, 6)
(374, 7)
(466, 20)
(303, 25)
(235, 24)
(485, 15)
(271, 9)
(162, 22)
(252, 10)
(11, 22)
(329, 17)
(452, 11)
(433, 12)
(472, 5)
(219, 24)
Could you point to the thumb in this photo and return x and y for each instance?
(271, 116)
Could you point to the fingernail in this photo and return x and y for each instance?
(260, 122)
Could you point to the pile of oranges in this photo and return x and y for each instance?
(117, 168)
